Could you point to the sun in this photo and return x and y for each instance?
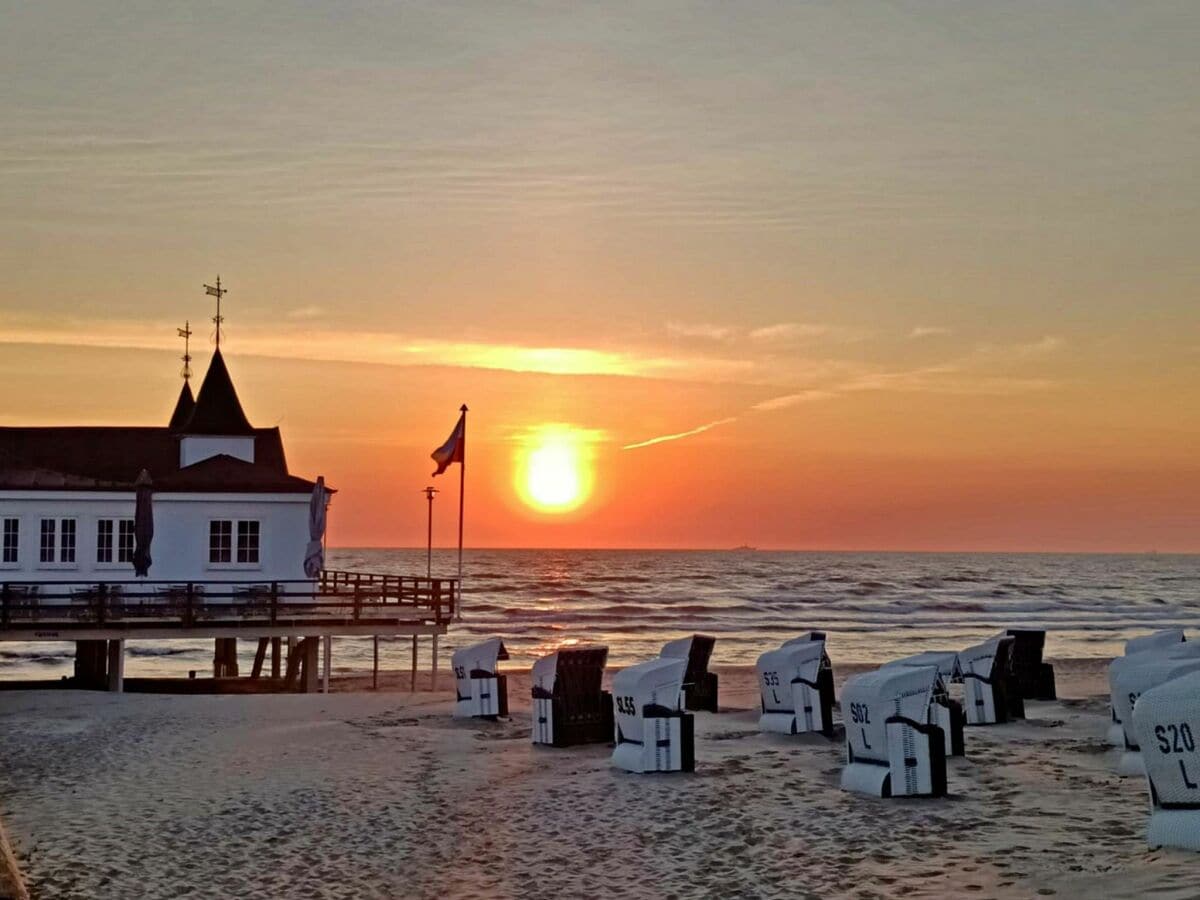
(554, 468)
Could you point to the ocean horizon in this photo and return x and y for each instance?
(874, 605)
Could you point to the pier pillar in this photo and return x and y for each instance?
(433, 678)
(91, 664)
(225, 661)
(327, 664)
(413, 684)
(275, 651)
(116, 666)
(309, 651)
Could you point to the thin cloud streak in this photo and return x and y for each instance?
(662, 439)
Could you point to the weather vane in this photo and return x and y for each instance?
(217, 292)
(186, 333)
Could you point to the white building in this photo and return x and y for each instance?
(225, 505)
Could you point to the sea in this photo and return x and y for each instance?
(874, 606)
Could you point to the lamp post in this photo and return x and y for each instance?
(429, 492)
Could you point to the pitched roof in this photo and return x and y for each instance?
(93, 458)
(218, 410)
(224, 473)
(184, 407)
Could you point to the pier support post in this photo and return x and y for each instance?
(91, 665)
(328, 663)
(375, 667)
(225, 661)
(413, 684)
(116, 666)
(433, 669)
(310, 648)
(275, 652)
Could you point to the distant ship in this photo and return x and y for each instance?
(744, 548)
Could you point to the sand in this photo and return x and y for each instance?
(360, 795)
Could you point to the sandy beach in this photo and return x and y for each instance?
(359, 794)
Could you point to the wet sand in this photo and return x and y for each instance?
(359, 794)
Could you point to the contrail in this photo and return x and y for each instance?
(674, 437)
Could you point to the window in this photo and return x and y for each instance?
(220, 541)
(66, 541)
(221, 545)
(47, 555)
(124, 540)
(104, 541)
(247, 542)
(12, 540)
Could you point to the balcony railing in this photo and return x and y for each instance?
(334, 597)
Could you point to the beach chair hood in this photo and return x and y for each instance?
(653, 733)
(945, 661)
(479, 688)
(1130, 682)
(870, 699)
(1156, 641)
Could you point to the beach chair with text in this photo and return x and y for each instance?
(654, 734)
(989, 697)
(480, 690)
(699, 684)
(1033, 678)
(568, 705)
(1170, 641)
(892, 750)
(1166, 720)
(1130, 681)
(946, 713)
(796, 684)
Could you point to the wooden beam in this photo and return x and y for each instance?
(276, 646)
(413, 685)
(260, 656)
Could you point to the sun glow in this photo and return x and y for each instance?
(554, 468)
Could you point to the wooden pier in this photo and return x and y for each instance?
(100, 617)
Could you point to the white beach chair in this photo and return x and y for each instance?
(892, 750)
(987, 699)
(1166, 720)
(480, 690)
(796, 684)
(654, 734)
(1141, 673)
(1170, 642)
(569, 706)
(946, 713)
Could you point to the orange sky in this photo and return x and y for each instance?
(897, 279)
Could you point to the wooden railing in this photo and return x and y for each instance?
(355, 597)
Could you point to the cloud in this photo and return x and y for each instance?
(679, 435)
(700, 330)
(924, 331)
(305, 312)
(788, 330)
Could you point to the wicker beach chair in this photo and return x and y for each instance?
(1128, 682)
(1166, 721)
(1169, 641)
(945, 712)
(990, 697)
(569, 706)
(1032, 678)
(699, 684)
(796, 686)
(481, 692)
(654, 733)
(892, 749)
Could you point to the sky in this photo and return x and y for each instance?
(816, 275)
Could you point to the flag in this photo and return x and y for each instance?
(455, 447)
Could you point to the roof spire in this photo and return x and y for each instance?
(186, 333)
(217, 292)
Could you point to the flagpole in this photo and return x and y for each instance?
(462, 483)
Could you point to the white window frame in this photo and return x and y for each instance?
(15, 563)
(235, 529)
(58, 546)
(118, 524)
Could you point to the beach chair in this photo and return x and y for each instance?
(946, 713)
(892, 749)
(796, 684)
(654, 734)
(1169, 642)
(568, 705)
(699, 684)
(989, 697)
(481, 692)
(1032, 678)
(1166, 720)
(1141, 673)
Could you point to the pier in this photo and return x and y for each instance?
(306, 613)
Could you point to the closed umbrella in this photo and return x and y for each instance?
(314, 554)
(143, 524)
